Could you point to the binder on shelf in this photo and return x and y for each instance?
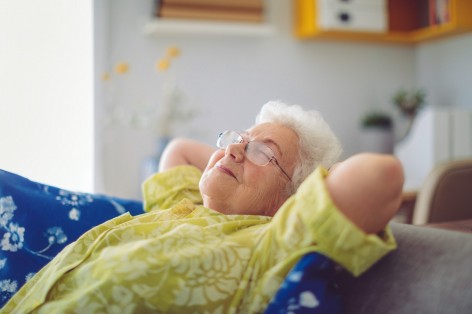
(211, 17)
(439, 11)
(443, 11)
(226, 10)
(253, 4)
(431, 12)
(210, 13)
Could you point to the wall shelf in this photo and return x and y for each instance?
(158, 27)
(404, 23)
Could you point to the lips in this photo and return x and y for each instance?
(225, 170)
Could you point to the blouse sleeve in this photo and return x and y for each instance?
(310, 218)
(165, 189)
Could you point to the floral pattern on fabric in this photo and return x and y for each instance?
(192, 259)
(13, 234)
(309, 288)
(37, 221)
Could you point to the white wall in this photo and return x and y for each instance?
(229, 78)
(46, 90)
(444, 68)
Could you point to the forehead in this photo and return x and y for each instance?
(281, 135)
(270, 129)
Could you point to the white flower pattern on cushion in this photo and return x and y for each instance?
(7, 207)
(56, 235)
(14, 238)
(308, 299)
(74, 214)
(29, 276)
(74, 199)
(14, 235)
(8, 285)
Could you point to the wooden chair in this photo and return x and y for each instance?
(446, 194)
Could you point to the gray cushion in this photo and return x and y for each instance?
(430, 272)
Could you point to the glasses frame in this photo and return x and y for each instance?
(272, 159)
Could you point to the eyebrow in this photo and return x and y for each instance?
(265, 141)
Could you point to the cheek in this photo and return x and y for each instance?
(207, 178)
(215, 157)
(260, 177)
(263, 201)
(267, 189)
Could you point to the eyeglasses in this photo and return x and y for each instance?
(257, 152)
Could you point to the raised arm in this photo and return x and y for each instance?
(182, 151)
(367, 188)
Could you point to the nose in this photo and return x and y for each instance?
(236, 151)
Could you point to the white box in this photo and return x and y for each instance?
(438, 134)
(354, 15)
(461, 137)
(366, 4)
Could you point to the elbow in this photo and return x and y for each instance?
(394, 176)
(389, 190)
(368, 188)
(386, 171)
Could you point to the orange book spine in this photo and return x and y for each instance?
(254, 4)
(210, 13)
(432, 12)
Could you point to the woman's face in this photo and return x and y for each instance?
(232, 184)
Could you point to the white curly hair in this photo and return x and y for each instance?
(318, 146)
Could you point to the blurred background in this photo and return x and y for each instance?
(87, 85)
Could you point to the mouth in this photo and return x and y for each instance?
(225, 170)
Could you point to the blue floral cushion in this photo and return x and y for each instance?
(37, 221)
(310, 287)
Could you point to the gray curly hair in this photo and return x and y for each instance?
(318, 146)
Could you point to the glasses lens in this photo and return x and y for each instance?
(227, 138)
(259, 153)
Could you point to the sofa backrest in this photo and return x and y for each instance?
(430, 272)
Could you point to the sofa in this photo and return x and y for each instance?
(430, 272)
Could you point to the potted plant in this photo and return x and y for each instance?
(377, 119)
(408, 104)
(377, 132)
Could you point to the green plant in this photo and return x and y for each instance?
(377, 119)
(409, 102)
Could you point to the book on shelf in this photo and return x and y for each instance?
(439, 12)
(253, 4)
(210, 13)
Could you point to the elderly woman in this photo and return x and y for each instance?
(223, 241)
